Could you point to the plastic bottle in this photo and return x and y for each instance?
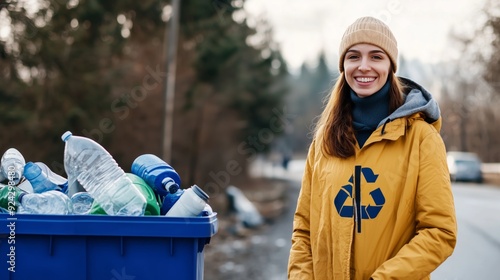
(90, 164)
(9, 197)
(156, 172)
(38, 179)
(170, 199)
(49, 202)
(190, 204)
(152, 206)
(12, 164)
(81, 203)
(55, 178)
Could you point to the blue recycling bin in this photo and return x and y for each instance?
(94, 247)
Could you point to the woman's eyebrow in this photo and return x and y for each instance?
(371, 52)
(377, 51)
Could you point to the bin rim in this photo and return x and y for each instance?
(104, 225)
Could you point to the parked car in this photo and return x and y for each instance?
(464, 166)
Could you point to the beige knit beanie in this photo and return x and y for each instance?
(369, 30)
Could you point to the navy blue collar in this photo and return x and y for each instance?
(369, 111)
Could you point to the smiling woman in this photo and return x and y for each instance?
(367, 68)
(376, 200)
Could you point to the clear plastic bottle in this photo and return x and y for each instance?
(157, 173)
(95, 169)
(49, 202)
(12, 164)
(38, 179)
(81, 203)
(191, 203)
(152, 206)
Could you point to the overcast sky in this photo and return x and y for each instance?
(303, 27)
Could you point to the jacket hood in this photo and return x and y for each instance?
(416, 100)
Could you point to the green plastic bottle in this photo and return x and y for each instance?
(9, 197)
(152, 206)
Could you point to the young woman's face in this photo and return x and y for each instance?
(366, 69)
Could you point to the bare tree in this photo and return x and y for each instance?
(471, 90)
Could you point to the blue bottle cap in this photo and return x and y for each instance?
(20, 197)
(173, 188)
(66, 135)
(170, 185)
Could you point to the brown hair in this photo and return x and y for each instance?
(334, 128)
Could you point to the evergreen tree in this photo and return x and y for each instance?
(97, 68)
(310, 88)
(60, 63)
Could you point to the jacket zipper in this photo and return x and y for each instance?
(357, 196)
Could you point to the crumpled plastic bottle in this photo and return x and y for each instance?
(49, 202)
(81, 203)
(12, 165)
(38, 179)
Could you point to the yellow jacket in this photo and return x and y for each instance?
(385, 213)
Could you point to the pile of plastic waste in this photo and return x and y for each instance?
(96, 184)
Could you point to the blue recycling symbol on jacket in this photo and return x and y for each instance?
(353, 191)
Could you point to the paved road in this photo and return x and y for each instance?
(477, 254)
(280, 235)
